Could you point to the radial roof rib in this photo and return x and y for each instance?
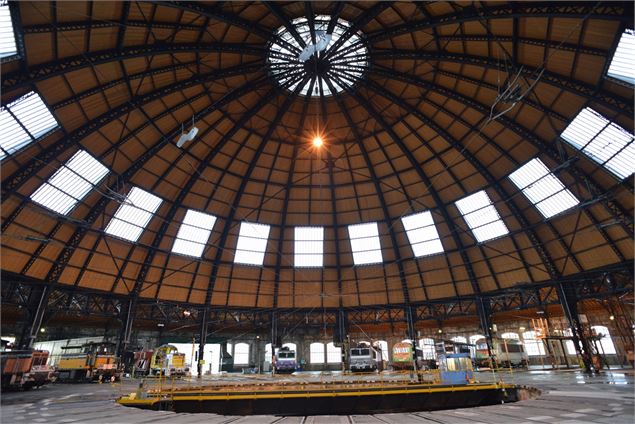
(401, 121)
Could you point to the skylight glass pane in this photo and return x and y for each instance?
(252, 243)
(365, 243)
(309, 246)
(193, 233)
(30, 111)
(133, 215)
(70, 183)
(543, 189)
(481, 216)
(603, 141)
(7, 36)
(422, 234)
(622, 65)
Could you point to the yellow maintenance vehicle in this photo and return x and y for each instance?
(166, 360)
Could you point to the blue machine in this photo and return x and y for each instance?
(456, 368)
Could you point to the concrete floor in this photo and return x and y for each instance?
(567, 397)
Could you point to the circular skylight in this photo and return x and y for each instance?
(324, 60)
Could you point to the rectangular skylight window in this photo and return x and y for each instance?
(70, 183)
(481, 216)
(22, 122)
(622, 65)
(133, 215)
(422, 234)
(543, 189)
(193, 233)
(309, 246)
(365, 243)
(252, 243)
(7, 36)
(603, 141)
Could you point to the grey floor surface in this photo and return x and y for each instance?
(567, 397)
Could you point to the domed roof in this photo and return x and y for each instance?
(438, 120)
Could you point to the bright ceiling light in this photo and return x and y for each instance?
(317, 141)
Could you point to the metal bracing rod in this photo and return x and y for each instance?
(66, 253)
(279, 13)
(15, 293)
(568, 300)
(98, 24)
(546, 258)
(541, 145)
(603, 11)
(218, 14)
(605, 98)
(19, 79)
(361, 20)
(380, 194)
(437, 199)
(229, 220)
(15, 180)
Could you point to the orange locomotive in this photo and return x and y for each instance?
(24, 369)
(91, 361)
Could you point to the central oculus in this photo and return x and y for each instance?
(324, 60)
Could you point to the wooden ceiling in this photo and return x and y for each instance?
(412, 134)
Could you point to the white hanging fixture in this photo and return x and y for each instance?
(323, 40)
(187, 137)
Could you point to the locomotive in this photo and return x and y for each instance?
(24, 369)
(87, 362)
(365, 358)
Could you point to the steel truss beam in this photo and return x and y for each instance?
(620, 11)
(73, 139)
(18, 79)
(67, 301)
(607, 99)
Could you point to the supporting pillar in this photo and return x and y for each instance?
(569, 302)
(201, 342)
(340, 335)
(484, 310)
(126, 326)
(37, 303)
(411, 333)
(274, 340)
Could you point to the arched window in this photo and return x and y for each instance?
(459, 339)
(333, 354)
(606, 343)
(241, 353)
(268, 353)
(476, 337)
(427, 346)
(533, 346)
(317, 353)
(510, 336)
(383, 345)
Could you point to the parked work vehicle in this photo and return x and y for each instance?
(505, 353)
(88, 362)
(166, 360)
(284, 360)
(364, 358)
(24, 369)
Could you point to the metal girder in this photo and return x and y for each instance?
(544, 255)
(361, 20)
(218, 14)
(547, 44)
(621, 11)
(66, 300)
(86, 25)
(14, 181)
(541, 145)
(18, 79)
(607, 99)
(437, 199)
(380, 194)
(282, 17)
